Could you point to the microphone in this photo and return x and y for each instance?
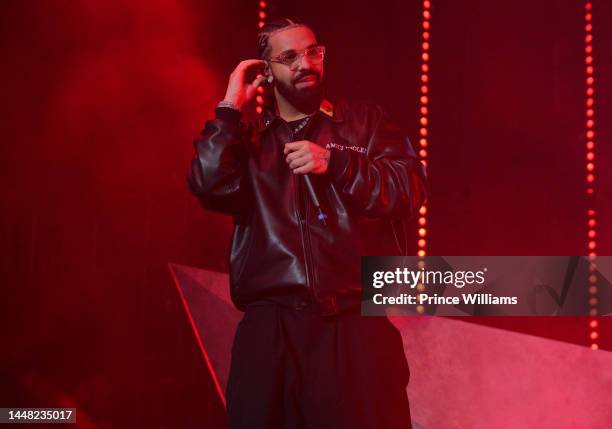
(321, 216)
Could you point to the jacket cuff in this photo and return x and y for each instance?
(338, 163)
(228, 114)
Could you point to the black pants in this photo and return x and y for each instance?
(294, 369)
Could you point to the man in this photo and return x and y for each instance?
(311, 187)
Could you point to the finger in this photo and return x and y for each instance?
(259, 80)
(293, 146)
(299, 162)
(305, 169)
(250, 63)
(297, 154)
(243, 66)
(290, 147)
(292, 157)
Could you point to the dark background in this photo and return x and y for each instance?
(100, 102)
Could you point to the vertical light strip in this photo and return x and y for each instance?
(424, 117)
(261, 15)
(423, 132)
(590, 172)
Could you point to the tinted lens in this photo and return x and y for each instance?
(315, 54)
(288, 58)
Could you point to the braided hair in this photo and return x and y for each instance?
(271, 27)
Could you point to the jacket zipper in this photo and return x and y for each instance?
(307, 243)
(304, 235)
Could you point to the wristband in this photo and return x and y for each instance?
(228, 104)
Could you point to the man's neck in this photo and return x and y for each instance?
(288, 111)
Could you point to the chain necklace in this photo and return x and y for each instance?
(301, 125)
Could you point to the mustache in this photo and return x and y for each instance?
(305, 74)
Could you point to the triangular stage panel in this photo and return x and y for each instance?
(463, 375)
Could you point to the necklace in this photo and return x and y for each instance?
(301, 125)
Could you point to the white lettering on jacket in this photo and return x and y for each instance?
(332, 145)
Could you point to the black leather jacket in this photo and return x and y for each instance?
(373, 184)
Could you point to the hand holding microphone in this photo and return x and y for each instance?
(304, 157)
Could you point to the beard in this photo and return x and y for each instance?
(305, 100)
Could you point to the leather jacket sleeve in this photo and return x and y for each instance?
(218, 168)
(388, 181)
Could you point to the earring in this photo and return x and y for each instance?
(270, 79)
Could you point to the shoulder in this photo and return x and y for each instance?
(367, 116)
(361, 111)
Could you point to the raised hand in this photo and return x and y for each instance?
(240, 89)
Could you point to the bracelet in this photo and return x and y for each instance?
(228, 104)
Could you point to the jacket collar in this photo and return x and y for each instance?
(326, 110)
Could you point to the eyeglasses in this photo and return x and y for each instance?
(315, 55)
